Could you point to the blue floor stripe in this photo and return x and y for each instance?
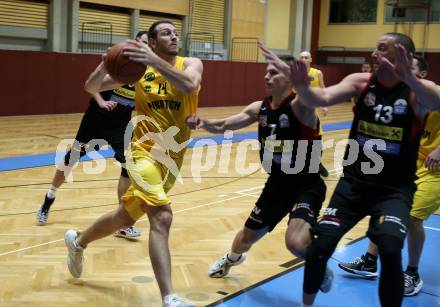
(20, 162)
(348, 290)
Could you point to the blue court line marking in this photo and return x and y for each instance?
(38, 160)
(348, 290)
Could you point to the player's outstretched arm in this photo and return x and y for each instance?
(350, 86)
(243, 119)
(99, 80)
(296, 71)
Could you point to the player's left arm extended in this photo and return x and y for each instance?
(187, 80)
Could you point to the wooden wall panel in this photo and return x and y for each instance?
(145, 21)
(120, 21)
(247, 19)
(21, 13)
(176, 7)
(209, 16)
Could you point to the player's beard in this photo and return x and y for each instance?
(169, 51)
(172, 52)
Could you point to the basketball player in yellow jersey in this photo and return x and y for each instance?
(316, 76)
(165, 96)
(316, 80)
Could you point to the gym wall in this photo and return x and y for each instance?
(36, 82)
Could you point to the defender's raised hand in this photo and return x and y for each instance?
(401, 67)
(296, 70)
(273, 59)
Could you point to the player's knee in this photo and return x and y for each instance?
(297, 245)
(161, 220)
(322, 247)
(390, 248)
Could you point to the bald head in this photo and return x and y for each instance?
(306, 57)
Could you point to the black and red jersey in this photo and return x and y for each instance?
(387, 132)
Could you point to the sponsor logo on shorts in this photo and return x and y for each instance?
(256, 210)
(330, 211)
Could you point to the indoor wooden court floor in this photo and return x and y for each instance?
(208, 211)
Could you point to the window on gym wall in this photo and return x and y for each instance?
(353, 11)
(412, 11)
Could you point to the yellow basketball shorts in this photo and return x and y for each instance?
(150, 181)
(427, 197)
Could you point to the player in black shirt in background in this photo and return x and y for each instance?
(286, 131)
(106, 118)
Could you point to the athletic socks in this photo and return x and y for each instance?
(49, 198)
(233, 256)
(52, 191)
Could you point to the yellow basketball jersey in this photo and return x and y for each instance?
(314, 82)
(430, 140)
(160, 106)
(314, 78)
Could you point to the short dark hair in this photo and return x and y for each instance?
(287, 58)
(421, 63)
(152, 33)
(140, 33)
(405, 41)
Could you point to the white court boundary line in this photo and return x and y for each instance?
(240, 192)
(432, 228)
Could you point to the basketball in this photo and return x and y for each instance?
(119, 66)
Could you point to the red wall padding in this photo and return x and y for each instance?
(51, 83)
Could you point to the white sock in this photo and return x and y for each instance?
(169, 297)
(77, 246)
(233, 256)
(305, 305)
(52, 191)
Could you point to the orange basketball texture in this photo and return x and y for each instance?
(120, 67)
